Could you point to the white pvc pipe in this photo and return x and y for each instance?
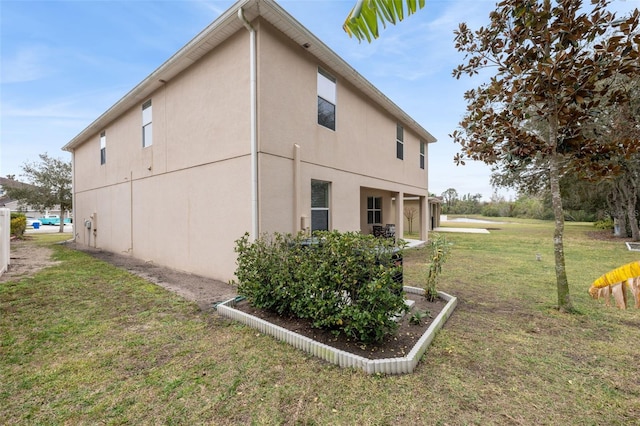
(297, 189)
(255, 209)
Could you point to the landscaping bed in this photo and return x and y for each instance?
(401, 363)
(390, 347)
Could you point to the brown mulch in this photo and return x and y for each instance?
(398, 345)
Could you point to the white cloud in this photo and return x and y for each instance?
(28, 63)
(214, 7)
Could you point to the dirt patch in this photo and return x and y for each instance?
(26, 259)
(607, 235)
(195, 288)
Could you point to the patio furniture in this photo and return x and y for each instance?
(379, 231)
(390, 230)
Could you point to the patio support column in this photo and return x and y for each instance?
(424, 218)
(399, 215)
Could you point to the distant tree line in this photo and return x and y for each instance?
(605, 202)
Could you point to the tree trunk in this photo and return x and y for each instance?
(629, 194)
(61, 221)
(564, 300)
(562, 283)
(617, 212)
(633, 220)
(621, 221)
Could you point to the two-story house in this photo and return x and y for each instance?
(254, 126)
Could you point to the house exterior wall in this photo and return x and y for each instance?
(360, 153)
(184, 200)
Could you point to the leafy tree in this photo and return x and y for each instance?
(50, 185)
(365, 16)
(587, 197)
(622, 193)
(623, 187)
(549, 62)
(450, 197)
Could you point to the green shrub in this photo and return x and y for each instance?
(343, 282)
(604, 224)
(18, 224)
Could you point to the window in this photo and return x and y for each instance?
(326, 100)
(147, 130)
(374, 210)
(319, 205)
(399, 142)
(422, 152)
(103, 147)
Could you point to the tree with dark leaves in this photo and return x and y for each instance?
(550, 62)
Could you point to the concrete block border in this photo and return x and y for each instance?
(402, 365)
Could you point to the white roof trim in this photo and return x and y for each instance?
(221, 29)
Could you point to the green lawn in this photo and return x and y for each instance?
(83, 343)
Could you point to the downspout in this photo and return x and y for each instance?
(255, 210)
(297, 188)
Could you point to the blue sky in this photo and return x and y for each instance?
(63, 63)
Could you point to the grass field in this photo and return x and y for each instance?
(83, 342)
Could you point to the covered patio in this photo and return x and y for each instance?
(388, 211)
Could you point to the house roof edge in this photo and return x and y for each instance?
(219, 30)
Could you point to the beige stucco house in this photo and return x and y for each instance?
(254, 126)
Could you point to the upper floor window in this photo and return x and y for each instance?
(103, 147)
(423, 149)
(399, 142)
(147, 130)
(326, 100)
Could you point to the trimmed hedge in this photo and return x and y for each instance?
(343, 282)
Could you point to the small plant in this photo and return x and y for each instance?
(604, 224)
(18, 224)
(417, 316)
(438, 253)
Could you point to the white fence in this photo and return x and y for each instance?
(5, 239)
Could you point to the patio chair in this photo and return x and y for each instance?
(390, 230)
(379, 231)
